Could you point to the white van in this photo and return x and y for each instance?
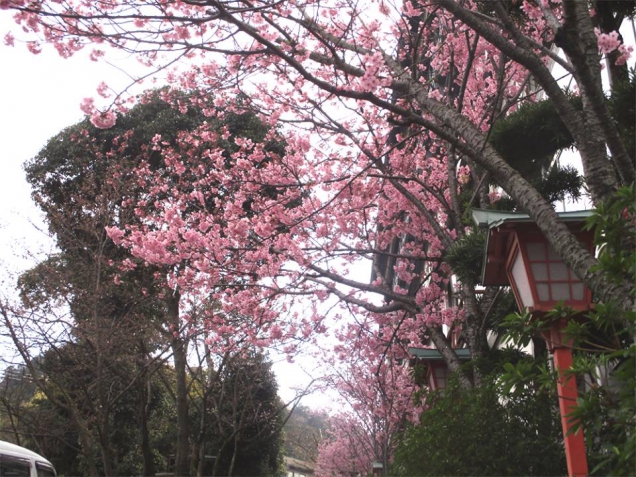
(16, 461)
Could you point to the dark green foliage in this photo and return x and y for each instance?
(622, 106)
(480, 432)
(605, 359)
(50, 427)
(72, 175)
(560, 183)
(52, 433)
(624, 8)
(466, 256)
(614, 225)
(608, 411)
(76, 166)
(42, 284)
(529, 138)
(504, 305)
(246, 433)
(557, 184)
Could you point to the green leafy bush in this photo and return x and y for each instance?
(482, 432)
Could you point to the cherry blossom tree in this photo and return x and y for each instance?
(378, 397)
(347, 450)
(388, 109)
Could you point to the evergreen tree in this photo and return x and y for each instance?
(245, 433)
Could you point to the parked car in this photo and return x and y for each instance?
(16, 461)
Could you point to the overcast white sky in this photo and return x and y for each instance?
(39, 96)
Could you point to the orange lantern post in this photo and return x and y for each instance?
(519, 256)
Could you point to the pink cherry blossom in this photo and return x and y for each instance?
(103, 90)
(607, 42)
(87, 106)
(103, 120)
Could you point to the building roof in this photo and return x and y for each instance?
(431, 354)
(297, 464)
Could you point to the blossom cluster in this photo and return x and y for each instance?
(609, 42)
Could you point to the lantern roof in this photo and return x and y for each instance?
(494, 218)
(500, 225)
(432, 354)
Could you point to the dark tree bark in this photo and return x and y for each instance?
(143, 412)
(179, 347)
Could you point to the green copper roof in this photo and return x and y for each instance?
(494, 218)
(433, 354)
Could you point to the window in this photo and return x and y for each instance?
(14, 466)
(441, 375)
(44, 470)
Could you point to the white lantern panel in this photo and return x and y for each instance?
(552, 255)
(543, 290)
(578, 291)
(560, 291)
(558, 271)
(520, 277)
(536, 251)
(540, 271)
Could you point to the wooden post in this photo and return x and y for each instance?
(568, 394)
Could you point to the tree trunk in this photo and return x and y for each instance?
(179, 347)
(442, 344)
(230, 471)
(85, 441)
(473, 329)
(201, 455)
(201, 437)
(103, 416)
(143, 411)
(107, 450)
